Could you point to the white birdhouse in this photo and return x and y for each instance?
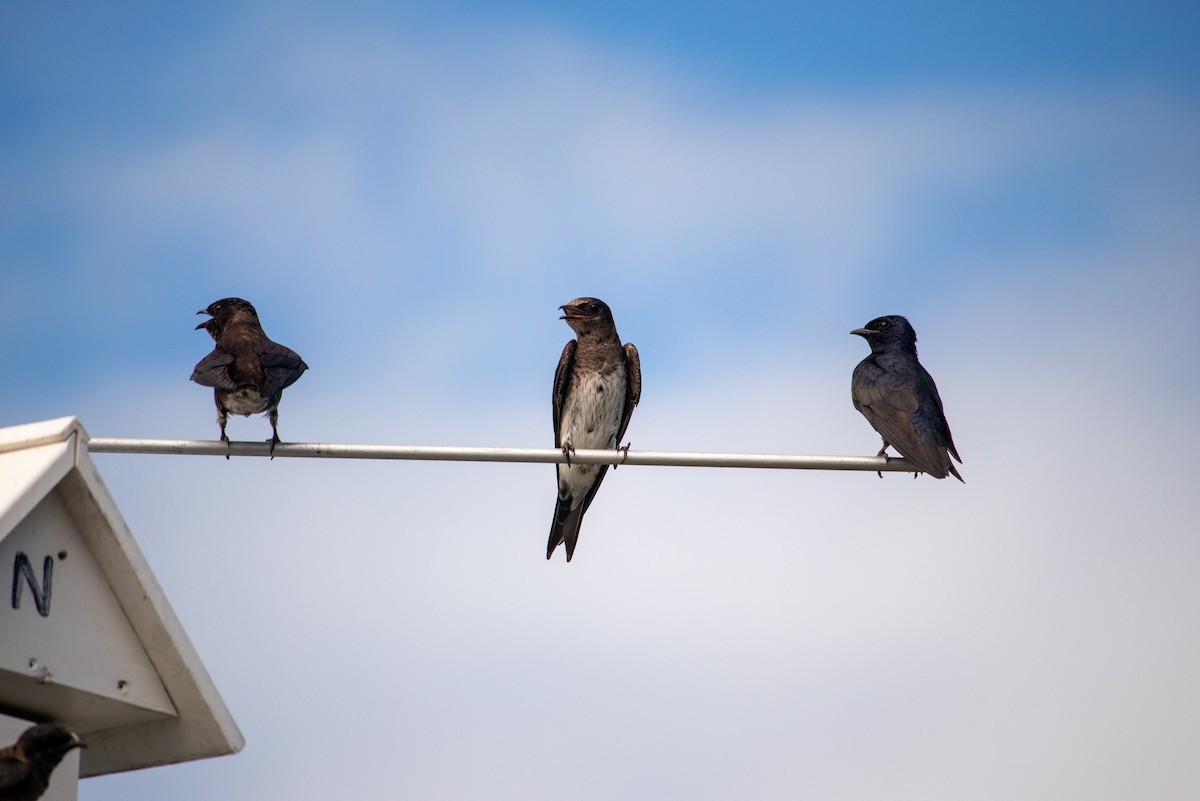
(87, 638)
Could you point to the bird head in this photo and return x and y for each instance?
(586, 314)
(888, 333)
(49, 741)
(224, 312)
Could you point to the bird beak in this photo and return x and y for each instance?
(76, 743)
(203, 324)
(572, 311)
(863, 332)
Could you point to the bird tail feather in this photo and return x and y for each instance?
(564, 528)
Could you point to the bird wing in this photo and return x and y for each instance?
(282, 367)
(562, 379)
(633, 387)
(889, 410)
(213, 370)
(881, 396)
(936, 430)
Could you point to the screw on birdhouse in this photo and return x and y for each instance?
(41, 673)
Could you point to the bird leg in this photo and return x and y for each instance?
(883, 453)
(567, 450)
(274, 440)
(222, 419)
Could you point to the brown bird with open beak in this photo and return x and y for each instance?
(596, 386)
(247, 371)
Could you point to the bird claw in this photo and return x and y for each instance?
(567, 450)
(624, 454)
(274, 440)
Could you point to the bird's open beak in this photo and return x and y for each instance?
(203, 324)
(863, 332)
(570, 311)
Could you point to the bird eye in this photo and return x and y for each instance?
(594, 306)
(883, 324)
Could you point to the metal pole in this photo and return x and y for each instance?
(317, 450)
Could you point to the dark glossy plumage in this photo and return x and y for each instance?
(899, 398)
(247, 371)
(26, 765)
(596, 386)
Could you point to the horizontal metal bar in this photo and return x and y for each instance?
(317, 450)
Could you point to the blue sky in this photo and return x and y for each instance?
(875, 45)
(408, 192)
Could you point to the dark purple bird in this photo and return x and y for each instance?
(596, 386)
(899, 398)
(26, 765)
(247, 371)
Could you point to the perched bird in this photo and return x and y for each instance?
(248, 372)
(899, 399)
(596, 386)
(26, 765)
